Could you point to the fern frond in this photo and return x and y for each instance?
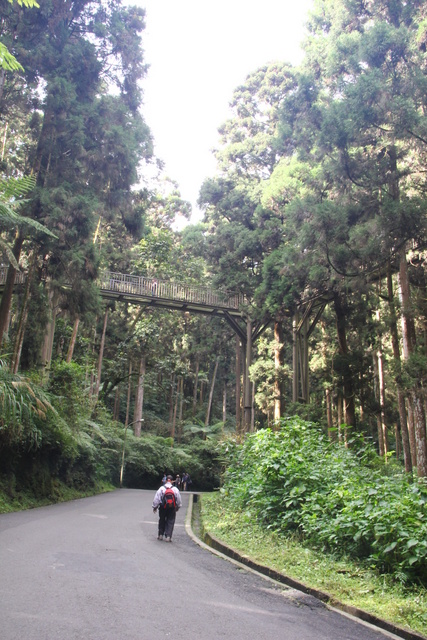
(13, 188)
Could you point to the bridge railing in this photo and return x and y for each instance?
(19, 276)
(155, 288)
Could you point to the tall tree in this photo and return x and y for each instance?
(240, 231)
(356, 121)
(90, 142)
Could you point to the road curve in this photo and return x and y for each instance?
(93, 569)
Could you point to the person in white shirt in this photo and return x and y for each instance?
(168, 502)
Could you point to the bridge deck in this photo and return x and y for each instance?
(169, 295)
(159, 293)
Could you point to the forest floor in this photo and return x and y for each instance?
(347, 581)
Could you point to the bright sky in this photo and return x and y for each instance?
(199, 51)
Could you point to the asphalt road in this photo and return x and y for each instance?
(93, 569)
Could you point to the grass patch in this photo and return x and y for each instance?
(344, 579)
(21, 500)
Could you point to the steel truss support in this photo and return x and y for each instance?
(248, 335)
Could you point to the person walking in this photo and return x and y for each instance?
(184, 481)
(168, 502)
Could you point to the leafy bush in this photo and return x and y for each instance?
(346, 501)
(47, 436)
(148, 457)
(57, 435)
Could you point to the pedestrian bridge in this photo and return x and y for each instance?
(154, 292)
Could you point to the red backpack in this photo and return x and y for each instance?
(168, 500)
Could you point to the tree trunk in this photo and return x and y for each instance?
(2, 79)
(181, 398)
(2, 71)
(379, 412)
(72, 344)
(238, 385)
(340, 414)
(253, 407)
(420, 431)
(173, 426)
(139, 398)
(411, 430)
(19, 340)
(116, 410)
(6, 299)
(398, 440)
(23, 316)
(47, 347)
(328, 401)
(196, 384)
(101, 356)
(171, 403)
(181, 407)
(89, 373)
(380, 359)
(224, 404)
(175, 411)
(380, 394)
(409, 339)
(128, 395)
(211, 392)
(349, 410)
(332, 433)
(408, 325)
(398, 376)
(247, 390)
(278, 364)
(92, 382)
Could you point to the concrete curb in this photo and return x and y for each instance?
(214, 545)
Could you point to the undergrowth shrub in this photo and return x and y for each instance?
(344, 500)
(148, 457)
(56, 435)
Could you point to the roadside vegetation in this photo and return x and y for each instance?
(350, 582)
(339, 519)
(56, 445)
(25, 498)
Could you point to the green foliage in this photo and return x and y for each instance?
(26, 3)
(23, 404)
(50, 437)
(346, 580)
(146, 460)
(66, 382)
(200, 429)
(148, 457)
(12, 193)
(17, 500)
(343, 500)
(8, 61)
(55, 436)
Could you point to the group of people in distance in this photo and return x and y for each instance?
(182, 482)
(168, 502)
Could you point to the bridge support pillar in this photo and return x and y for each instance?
(248, 386)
